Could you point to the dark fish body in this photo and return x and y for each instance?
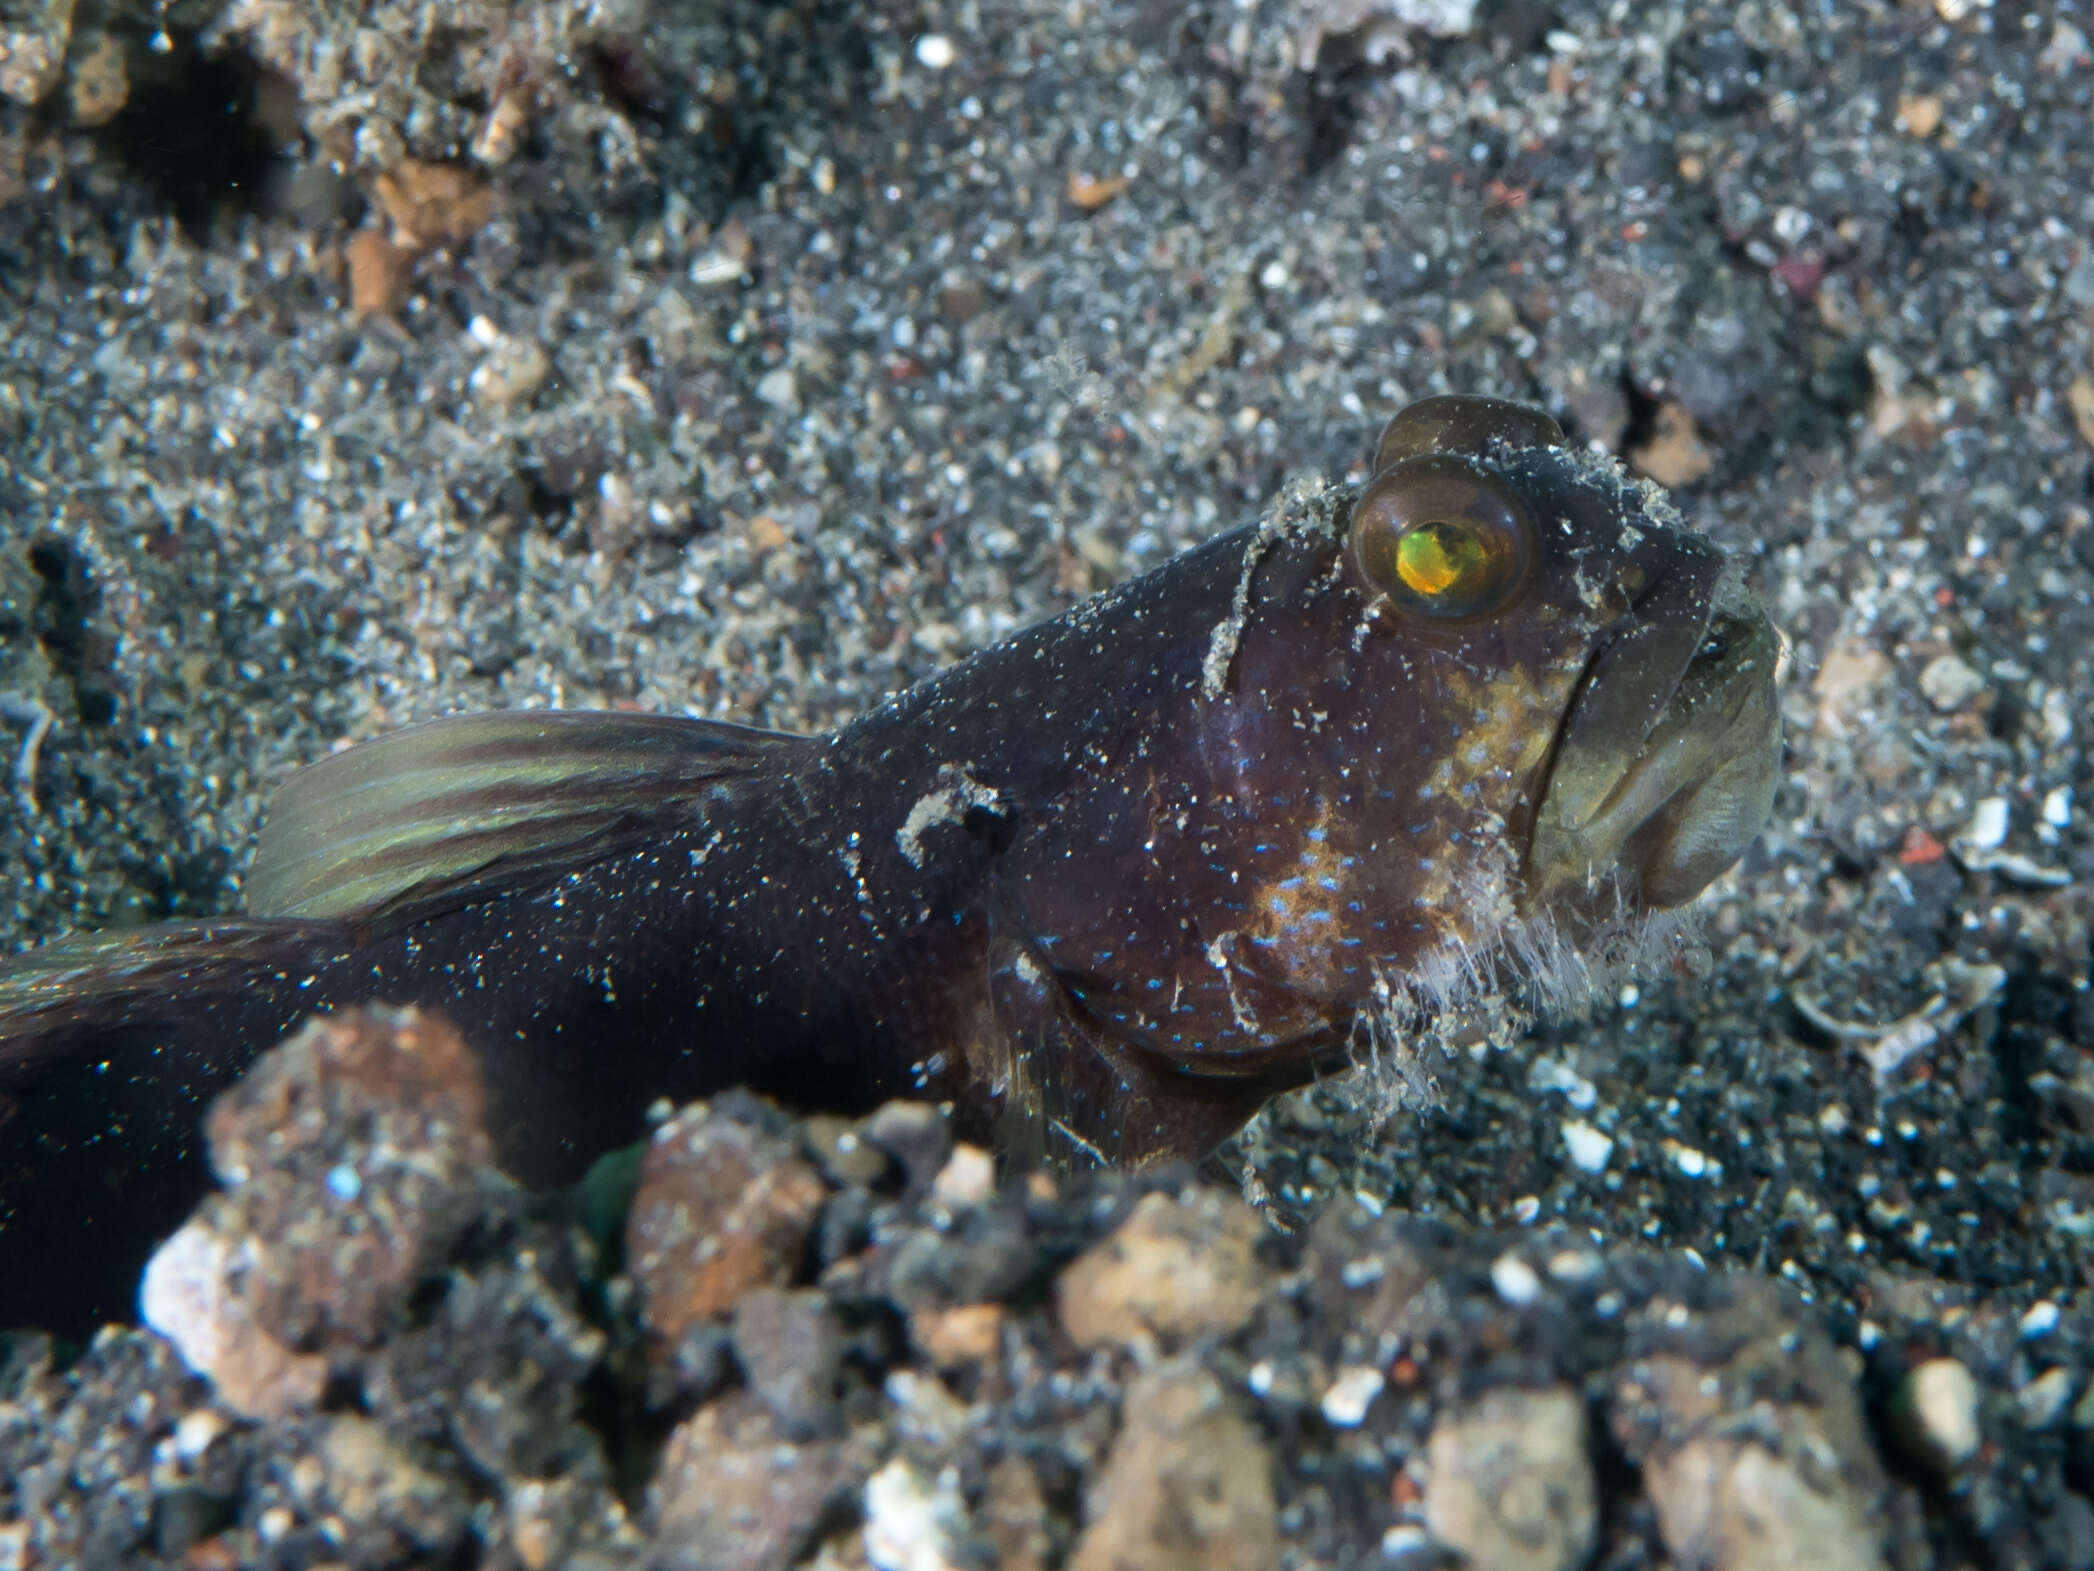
(1105, 887)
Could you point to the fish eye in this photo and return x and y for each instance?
(1443, 540)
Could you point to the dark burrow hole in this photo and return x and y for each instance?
(66, 603)
(205, 133)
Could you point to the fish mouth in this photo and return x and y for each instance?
(1666, 763)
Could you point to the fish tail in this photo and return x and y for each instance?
(111, 1046)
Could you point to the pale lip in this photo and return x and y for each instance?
(1668, 759)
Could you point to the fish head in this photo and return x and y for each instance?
(1484, 532)
(1386, 756)
(1549, 706)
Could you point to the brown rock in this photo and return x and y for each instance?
(546, 1519)
(1511, 1483)
(378, 273)
(1174, 1270)
(1919, 114)
(2079, 397)
(837, 1144)
(33, 42)
(1016, 1515)
(358, 1152)
(1751, 1436)
(724, 1206)
(733, 1494)
(1851, 681)
(1729, 1503)
(384, 1508)
(1090, 192)
(1675, 455)
(191, 1296)
(356, 1156)
(433, 204)
(966, 1334)
(790, 1345)
(427, 206)
(97, 82)
(502, 132)
(1188, 1486)
(406, 1076)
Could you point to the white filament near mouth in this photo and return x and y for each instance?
(1482, 988)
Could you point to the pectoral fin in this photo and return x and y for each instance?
(1074, 1097)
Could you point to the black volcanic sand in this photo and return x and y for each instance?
(771, 357)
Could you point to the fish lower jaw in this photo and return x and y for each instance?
(1683, 810)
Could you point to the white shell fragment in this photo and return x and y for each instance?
(1960, 989)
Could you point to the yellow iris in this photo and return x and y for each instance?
(1434, 559)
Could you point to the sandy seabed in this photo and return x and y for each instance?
(754, 361)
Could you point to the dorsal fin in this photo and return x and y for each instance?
(470, 806)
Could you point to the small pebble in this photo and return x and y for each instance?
(1360, 1273)
(1511, 1484)
(195, 1431)
(1937, 1414)
(1589, 1149)
(2083, 1410)
(2057, 717)
(967, 1179)
(2039, 1319)
(1172, 1271)
(779, 389)
(1345, 1404)
(1988, 825)
(1516, 1281)
(2043, 1400)
(1552, 1074)
(1188, 1484)
(910, 1520)
(916, 1134)
(1949, 683)
(1404, 1540)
